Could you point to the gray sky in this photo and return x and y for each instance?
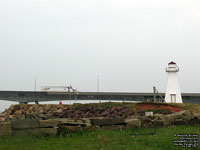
(128, 43)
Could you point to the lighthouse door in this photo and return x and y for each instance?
(173, 98)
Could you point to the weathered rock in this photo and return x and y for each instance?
(179, 118)
(48, 123)
(149, 113)
(69, 129)
(158, 122)
(196, 118)
(23, 131)
(5, 129)
(180, 121)
(186, 115)
(133, 123)
(16, 107)
(159, 116)
(25, 124)
(107, 121)
(87, 122)
(169, 120)
(49, 111)
(146, 121)
(113, 127)
(89, 128)
(46, 131)
(2, 119)
(182, 117)
(68, 121)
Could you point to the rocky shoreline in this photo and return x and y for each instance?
(77, 111)
(50, 111)
(64, 119)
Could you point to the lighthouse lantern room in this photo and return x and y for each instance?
(173, 93)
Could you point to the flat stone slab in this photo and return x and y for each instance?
(5, 129)
(25, 124)
(67, 121)
(48, 123)
(87, 122)
(46, 131)
(22, 131)
(107, 121)
(133, 123)
(114, 127)
(69, 129)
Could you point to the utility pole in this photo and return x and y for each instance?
(36, 102)
(154, 94)
(98, 83)
(35, 84)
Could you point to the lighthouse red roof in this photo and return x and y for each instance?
(172, 63)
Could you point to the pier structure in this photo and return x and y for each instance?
(25, 97)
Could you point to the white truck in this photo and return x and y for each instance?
(58, 89)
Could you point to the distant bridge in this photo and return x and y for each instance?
(25, 97)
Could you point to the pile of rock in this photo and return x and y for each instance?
(178, 118)
(50, 111)
(67, 125)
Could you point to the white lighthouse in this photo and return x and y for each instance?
(173, 93)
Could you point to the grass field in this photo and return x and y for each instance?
(162, 139)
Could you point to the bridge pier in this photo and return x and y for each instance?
(25, 97)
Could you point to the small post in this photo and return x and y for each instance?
(154, 94)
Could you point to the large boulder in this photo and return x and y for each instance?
(89, 128)
(65, 129)
(169, 120)
(113, 127)
(159, 120)
(146, 121)
(185, 114)
(5, 129)
(133, 123)
(196, 119)
(87, 122)
(25, 124)
(107, 121)
(158, 123)
(182, 117)
(72, 122)
(162, 120)
(46, 131)
(48, 123)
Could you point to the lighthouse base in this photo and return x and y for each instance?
(173, 98)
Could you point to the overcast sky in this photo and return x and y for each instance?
(128, 43)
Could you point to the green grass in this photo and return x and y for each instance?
(102, 140)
